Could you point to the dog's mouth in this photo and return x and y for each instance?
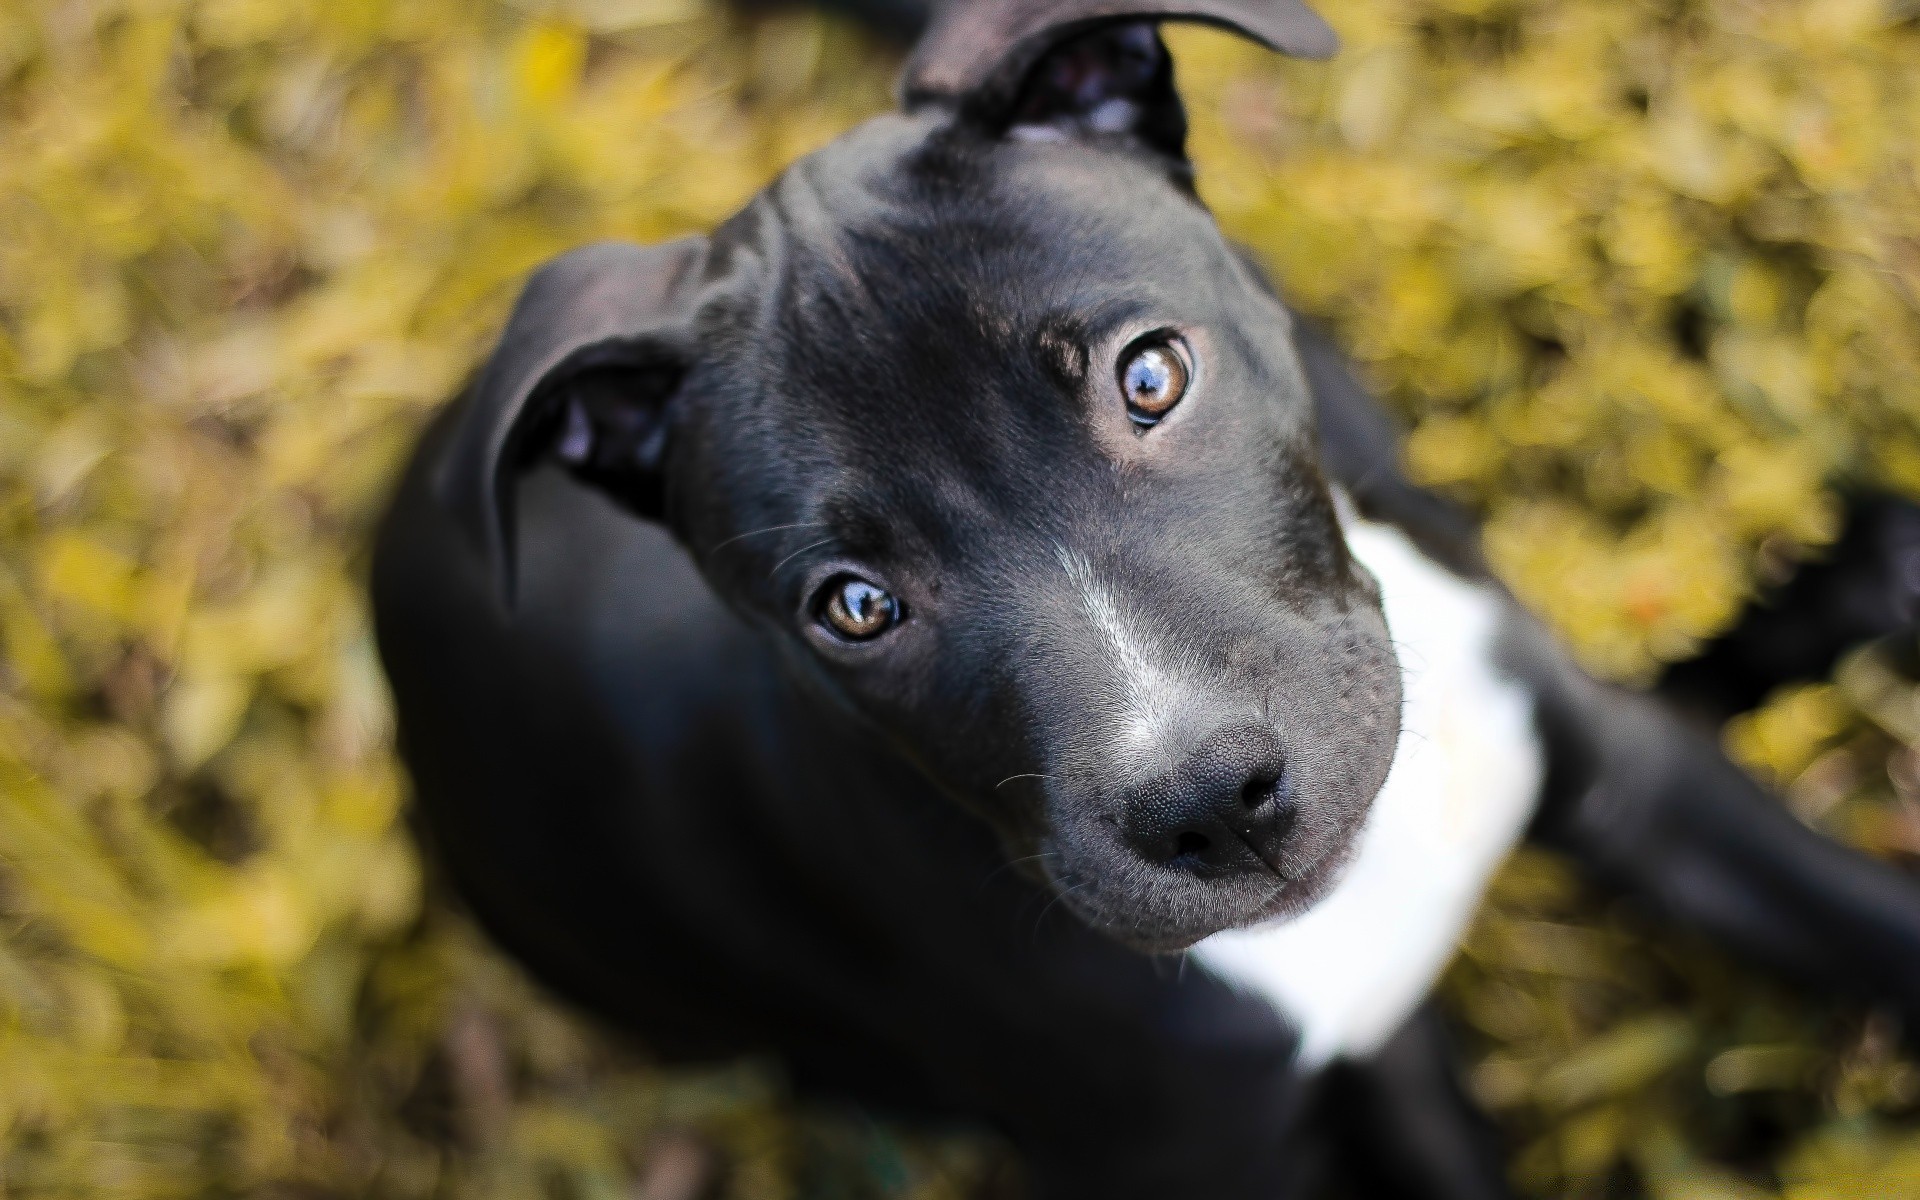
(1307, 886)
(1159, 915)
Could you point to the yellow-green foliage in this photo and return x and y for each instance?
(1646, 273)
(1641, 276)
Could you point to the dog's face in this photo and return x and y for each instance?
(985, 421)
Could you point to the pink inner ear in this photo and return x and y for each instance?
(978, 53)
(575, 445)
(1096, 79)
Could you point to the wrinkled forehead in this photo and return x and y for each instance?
(930, 314)
(975, 255)
(956, 225)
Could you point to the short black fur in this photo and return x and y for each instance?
(1140, 693)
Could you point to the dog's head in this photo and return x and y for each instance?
(978, 413)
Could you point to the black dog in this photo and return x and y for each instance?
(994, 631)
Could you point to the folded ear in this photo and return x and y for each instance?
(585, 373)
(1078, 67)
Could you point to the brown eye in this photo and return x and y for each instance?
(859, 611)
(1153, 377)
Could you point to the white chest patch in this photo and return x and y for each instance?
(1465, 778)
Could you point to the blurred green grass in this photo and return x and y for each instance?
(1644, 278)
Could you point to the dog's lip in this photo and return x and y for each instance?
(1277, 905)
(1309, 880)
(1315, 872)
(1290, 884)
(1267, 862)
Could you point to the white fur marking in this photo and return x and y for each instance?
(1465, 777)
(1148, 694)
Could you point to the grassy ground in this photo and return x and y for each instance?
(1643, 276)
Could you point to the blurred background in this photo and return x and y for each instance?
(1642, 277)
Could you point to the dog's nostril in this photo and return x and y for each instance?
(1192, 842)
(1259, 790)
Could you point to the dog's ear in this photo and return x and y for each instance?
(1084, 67)
(585, 374)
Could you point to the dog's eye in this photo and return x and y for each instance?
(1154, 374)
(857, 610)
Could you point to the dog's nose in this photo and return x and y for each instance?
(1226, 808)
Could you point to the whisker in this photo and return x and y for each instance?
(1009, 779)
(1013, 863)
(1057, 898)
(724, 543)
(796, 554)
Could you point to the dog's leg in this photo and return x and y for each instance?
(1652, 807)
(1401, 1125)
